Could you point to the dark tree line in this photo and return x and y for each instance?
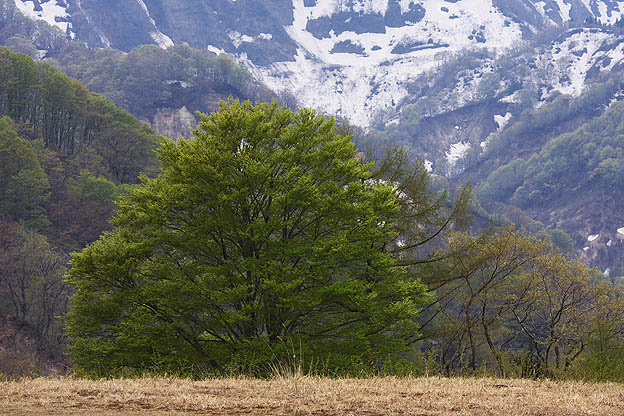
(66, 155)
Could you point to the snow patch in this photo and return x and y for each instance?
(428, 165)
(565, 9)
(568, 62)
(513, 98)
(358, 86)
(621, 230)
(457, 151)
(616, 55)
(52, 13)
(593, 237)
(183, 84)
(585, 249)
(237, 38)
(106, 41)
(609, 243)
(394, 121)
(604, 13)
(502, 121)
(539, 5)
(160, 38)
(215, 50)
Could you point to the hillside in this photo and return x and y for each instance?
(482, 118)
(172, 84)
(351, 58)
(66, 155)
(523, 100)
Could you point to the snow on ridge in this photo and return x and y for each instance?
(564, 9)
(358, 85)
(604, 13)
(501, 120)
(539, 5)
(50, 14)
(575, 56)
(456, 152)
(160, 38)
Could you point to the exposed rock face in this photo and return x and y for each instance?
(592, 219)
(176, 119)
(173, 122)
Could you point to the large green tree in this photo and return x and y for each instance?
(265, 234)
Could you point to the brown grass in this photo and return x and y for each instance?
(308, 396)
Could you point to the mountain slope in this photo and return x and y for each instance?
(352, 58)
(474, 87)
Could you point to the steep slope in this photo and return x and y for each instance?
(163, 87)
(352, 58)
(492, 120)
(66, 155)
(475, 87)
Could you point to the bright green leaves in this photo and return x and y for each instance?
(263, 230)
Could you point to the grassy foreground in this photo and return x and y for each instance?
(308, 396)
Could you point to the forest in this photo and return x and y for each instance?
(66, 155)
(270, 240)
(266, 236)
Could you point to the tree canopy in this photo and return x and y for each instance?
(265, 233)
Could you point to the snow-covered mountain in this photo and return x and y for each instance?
(346, 57)
(460, 83)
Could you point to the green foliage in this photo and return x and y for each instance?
(20, 44)
(515, 307)
(594, 153)
(604, 358)
(264, 231)
(62, 179)
(95, 189)
(148, 76)
(502, 182)
(63, 153)
(25, 198)
(561, 240)
(69, 119)
(24, 186)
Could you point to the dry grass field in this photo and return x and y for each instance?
(308, 396)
